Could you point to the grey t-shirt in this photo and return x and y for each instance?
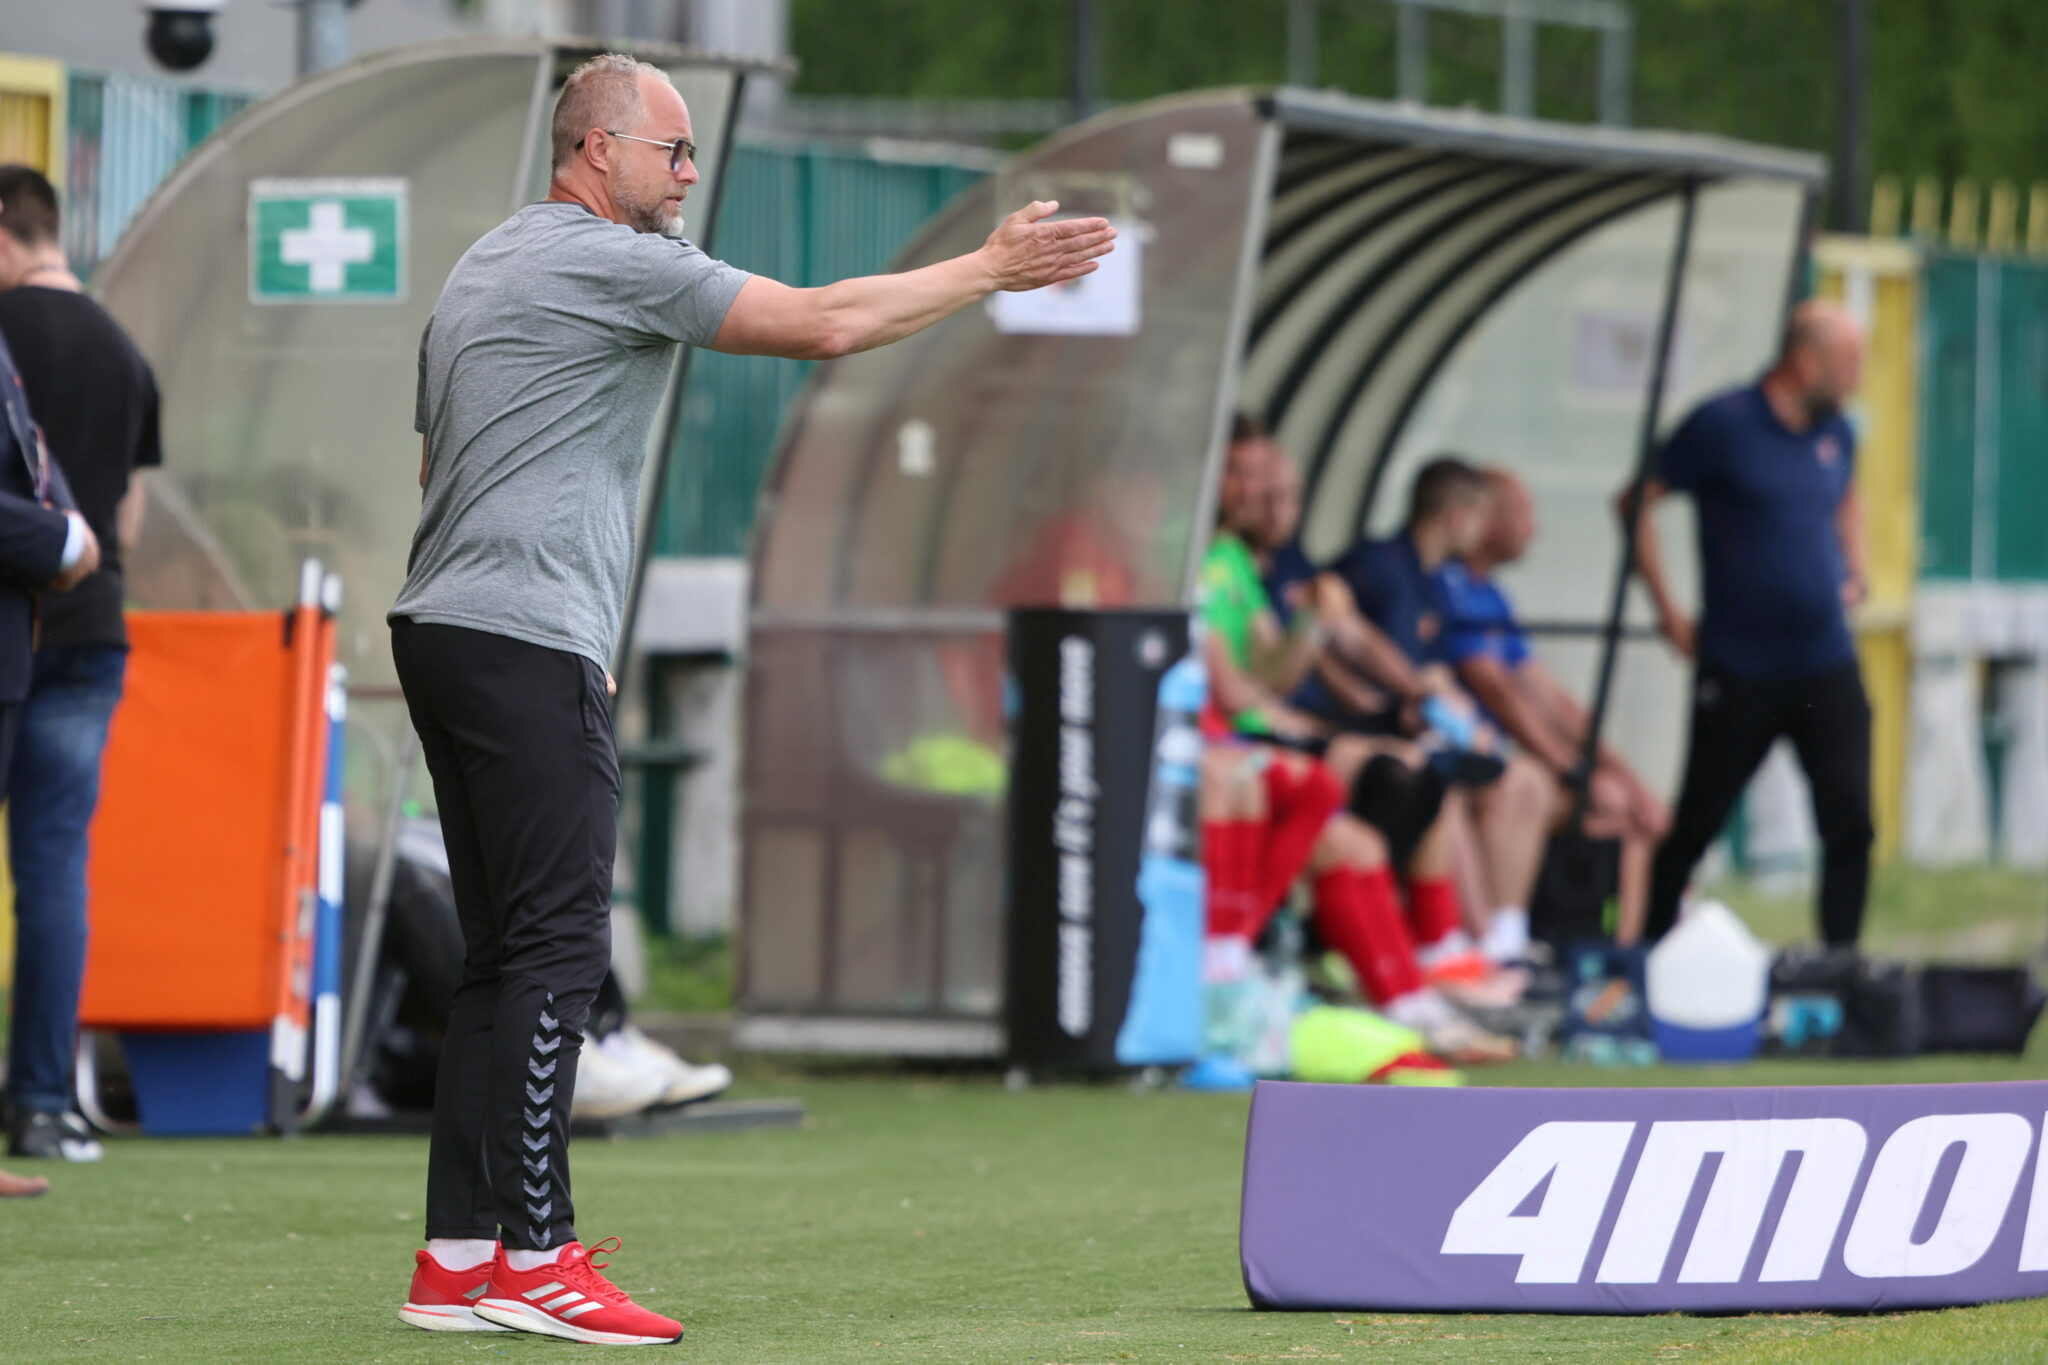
(541, 371)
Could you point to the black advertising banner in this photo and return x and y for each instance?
(1086, 692)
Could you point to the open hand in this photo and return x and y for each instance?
(1026, 252)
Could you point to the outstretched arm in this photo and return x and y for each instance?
(1024, 252)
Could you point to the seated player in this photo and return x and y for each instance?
(1290, 587)
(1483, 641)
(1384, 620)
(1357, 910)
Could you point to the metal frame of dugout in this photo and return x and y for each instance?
(1377, 283)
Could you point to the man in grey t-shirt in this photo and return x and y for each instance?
(540, 374)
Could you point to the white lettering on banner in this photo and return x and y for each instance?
(1073, 834)
(1581, 1161)
(1752, 1153)
(2034, 1249)
(1077, 761)
(1077, 680)
(1881, 1244)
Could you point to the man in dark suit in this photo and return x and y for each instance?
(45, 545)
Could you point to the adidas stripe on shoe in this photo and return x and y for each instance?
(569, 1298)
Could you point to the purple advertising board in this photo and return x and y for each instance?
(1645, 1201)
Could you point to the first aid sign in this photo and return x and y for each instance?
(314, 241)
(1646, 1201)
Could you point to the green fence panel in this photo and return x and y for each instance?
(1948, 417)
(1984, 419)
(805, 216)
(2022, 490)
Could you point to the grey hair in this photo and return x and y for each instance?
(604, 92)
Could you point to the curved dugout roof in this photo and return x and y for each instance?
(1393, 232)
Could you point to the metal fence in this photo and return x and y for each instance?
(1984, 418)
(805, 215)
(123, 136)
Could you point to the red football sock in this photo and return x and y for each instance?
(1301, 802)
(1230, 857)
(1433, 909)
(1358, 914)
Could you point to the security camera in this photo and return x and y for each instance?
(181, 31)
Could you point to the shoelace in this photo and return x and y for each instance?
(587, 1275)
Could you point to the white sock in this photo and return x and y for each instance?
(1507, 938)
(531, 1260)
(1456, 943)
(461, 1253)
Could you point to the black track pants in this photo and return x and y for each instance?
(1734, 723)
(518, 740)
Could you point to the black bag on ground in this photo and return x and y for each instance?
(1580, 875)
(1978, 1009)
(1834, 1002)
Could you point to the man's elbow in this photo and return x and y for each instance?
(833, 342)
(815, 340)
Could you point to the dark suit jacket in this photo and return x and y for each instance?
(31, 535)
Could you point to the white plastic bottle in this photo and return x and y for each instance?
(1708, 981)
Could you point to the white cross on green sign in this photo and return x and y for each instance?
(313, 241)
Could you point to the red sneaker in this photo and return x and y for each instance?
(568, 1297)
(444, 1300)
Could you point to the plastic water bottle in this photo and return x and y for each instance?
(1163, 1024)
(1708, 981)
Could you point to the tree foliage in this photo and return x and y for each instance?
(1953, 87)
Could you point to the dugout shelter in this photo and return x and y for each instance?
(1378, 283)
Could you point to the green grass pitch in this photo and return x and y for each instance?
(920, 1217)
(915, 1219)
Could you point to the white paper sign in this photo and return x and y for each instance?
(1612, 351)
(1104, 304)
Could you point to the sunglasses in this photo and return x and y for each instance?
(679, 151)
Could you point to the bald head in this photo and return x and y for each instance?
(1511, 517)
(1821, 360)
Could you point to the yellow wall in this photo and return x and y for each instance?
(32, 114)
(1880, 282)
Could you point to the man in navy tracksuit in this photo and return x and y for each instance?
(1770, 469)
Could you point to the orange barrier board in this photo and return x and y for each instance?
(204, 852)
